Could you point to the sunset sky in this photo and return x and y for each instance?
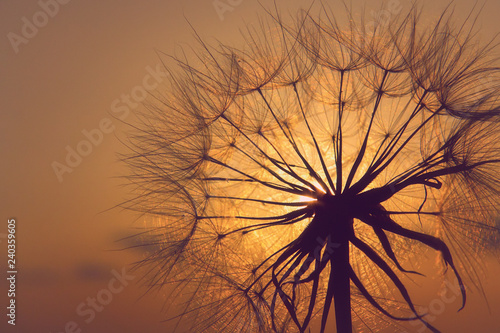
(78, 77)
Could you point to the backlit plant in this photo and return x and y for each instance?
(305, 173)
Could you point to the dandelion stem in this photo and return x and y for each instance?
(340, 288)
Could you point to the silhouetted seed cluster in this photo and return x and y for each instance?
(259, 165)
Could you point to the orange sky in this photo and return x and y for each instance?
(63, 82)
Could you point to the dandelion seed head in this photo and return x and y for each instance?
(318, 151)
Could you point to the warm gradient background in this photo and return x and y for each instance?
(64, 81)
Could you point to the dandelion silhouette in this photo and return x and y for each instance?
(296, 177)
